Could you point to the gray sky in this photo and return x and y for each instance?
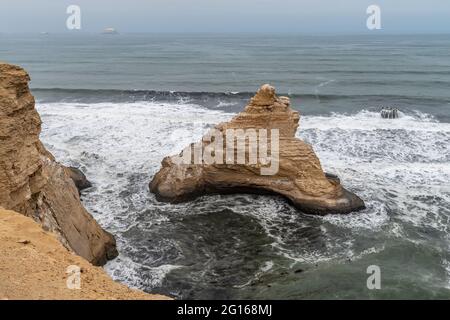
(298, 16)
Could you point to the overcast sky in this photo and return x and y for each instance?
(298, 16)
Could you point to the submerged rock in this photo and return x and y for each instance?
(284, 165)
(332, 177)
(78, 177)
(389, 113)
(33, 183)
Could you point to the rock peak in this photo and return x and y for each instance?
(265, 96)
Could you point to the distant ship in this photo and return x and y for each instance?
(109, 31)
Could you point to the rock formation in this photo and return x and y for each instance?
(389, 113)
(292, 170)
(78, 177)
(33, 183)
(37, 264)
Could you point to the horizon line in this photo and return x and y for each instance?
(81, 32)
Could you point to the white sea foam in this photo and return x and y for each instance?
(446, 265)
(400, 167)
(370, 120)
(126, 270)
(266, 267)
(223, 104)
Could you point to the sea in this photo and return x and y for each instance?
(116, 105)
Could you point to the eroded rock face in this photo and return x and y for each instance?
(298, 175)
(79, 178)
(33, 183)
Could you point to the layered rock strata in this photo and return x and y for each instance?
(256, 152)
(33, 183)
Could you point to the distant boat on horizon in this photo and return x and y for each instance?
(109, 31)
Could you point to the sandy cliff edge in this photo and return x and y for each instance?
(33, 265)
(33, 183)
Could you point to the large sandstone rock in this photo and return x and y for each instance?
(299, 176)
(33, 183)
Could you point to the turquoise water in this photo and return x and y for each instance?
(116, 105)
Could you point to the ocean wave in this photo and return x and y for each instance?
(45, 95)
(370, 120)
(137, 275)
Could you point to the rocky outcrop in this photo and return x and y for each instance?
(292, 169)
(78, 177)
(37, 265)
(33, 183)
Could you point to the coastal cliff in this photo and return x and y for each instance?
(34, 266)
(33, 183)
(298, 175)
